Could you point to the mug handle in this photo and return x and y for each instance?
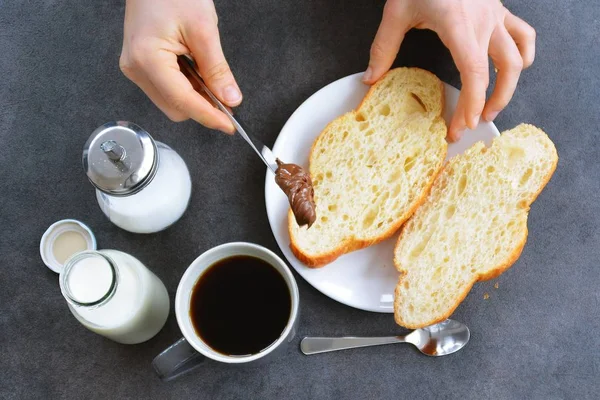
(176, 360)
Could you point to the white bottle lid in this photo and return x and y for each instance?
(62, 240)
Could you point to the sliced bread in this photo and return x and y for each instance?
(473, 225)
(373, 166)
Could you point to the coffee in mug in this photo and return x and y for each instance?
(236, 293)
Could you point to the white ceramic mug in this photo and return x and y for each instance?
(188, 352)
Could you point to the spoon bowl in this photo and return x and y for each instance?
(440, 339)
(436, 340)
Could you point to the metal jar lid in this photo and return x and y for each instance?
(120, 158)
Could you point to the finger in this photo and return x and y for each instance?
(523, 35)
(137, 76)
(150, 90)
(203, 40)
(198, 87)
(508, 61)
(179, 94)
(472, 62)
(394, 25)
(458, 123)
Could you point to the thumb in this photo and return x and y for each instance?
(394, 25)
(204, 42)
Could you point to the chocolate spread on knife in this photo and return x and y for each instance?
(297, 185)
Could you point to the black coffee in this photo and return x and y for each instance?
(240, 305)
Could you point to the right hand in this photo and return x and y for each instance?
(155, 33)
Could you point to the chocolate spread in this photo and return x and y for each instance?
(297, 185)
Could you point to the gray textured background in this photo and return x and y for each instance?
(536, 337)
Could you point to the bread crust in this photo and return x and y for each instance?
(352, 243)
(494, 273)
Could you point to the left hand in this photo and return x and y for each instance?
(472, 30)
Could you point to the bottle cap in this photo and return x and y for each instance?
(62, 240)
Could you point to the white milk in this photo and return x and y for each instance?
(156, 206)
(136, 311)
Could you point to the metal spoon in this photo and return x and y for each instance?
(265, 154)
(436, 340)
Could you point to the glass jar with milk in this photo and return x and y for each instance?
(142, 186)
(113, 294)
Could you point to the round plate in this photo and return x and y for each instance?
(363, 279)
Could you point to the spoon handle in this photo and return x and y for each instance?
(263, 151)
(316, 345)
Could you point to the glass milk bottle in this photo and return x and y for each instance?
(115, 295)
(142, 186)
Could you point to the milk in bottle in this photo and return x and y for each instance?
(113, 294)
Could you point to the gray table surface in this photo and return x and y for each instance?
(537, 336)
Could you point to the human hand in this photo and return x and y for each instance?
(155, 33)
(472, 30)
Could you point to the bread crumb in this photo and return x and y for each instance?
(486, 296)
(496, 285)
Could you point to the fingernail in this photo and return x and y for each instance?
(455, 135)
(475, 121)
(230, 130)
(491, 116)
(368, 75)
(231, 94)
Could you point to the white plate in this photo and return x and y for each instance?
(364, 279)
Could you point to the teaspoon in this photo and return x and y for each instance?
(436, 340)
(187, 64)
